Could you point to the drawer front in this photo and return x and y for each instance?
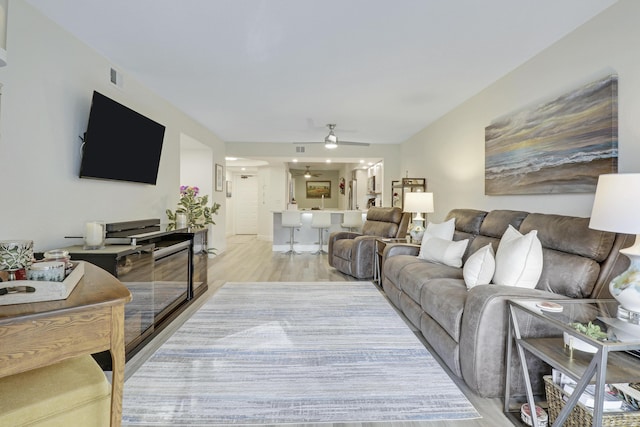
(42, 341)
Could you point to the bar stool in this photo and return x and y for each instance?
(321, 221)
(292, 220)
(351, 220)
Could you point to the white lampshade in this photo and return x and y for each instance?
(616, 206)
(418, 202)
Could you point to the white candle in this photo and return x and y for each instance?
(93, 234)
(181, 220)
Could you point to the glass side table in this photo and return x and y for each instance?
(609, 364)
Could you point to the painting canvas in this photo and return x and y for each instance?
(317, 189)
(561, 146)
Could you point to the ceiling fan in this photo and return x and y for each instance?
(331, 140)
(307, 173)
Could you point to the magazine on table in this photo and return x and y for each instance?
(629, 393)
(614, 400)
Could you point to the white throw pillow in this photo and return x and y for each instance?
(443, 251)
(442, 230)
(518, 259)
(479, 268)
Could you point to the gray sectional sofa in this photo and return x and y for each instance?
(467, 328)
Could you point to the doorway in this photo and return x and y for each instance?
(245, 193)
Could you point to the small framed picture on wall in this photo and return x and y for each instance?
(318, 189)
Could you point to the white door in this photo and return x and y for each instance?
(245, 193)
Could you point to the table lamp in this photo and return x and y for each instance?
(418, 203)
(15, 255)
(616, 208)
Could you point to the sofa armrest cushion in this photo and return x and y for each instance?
(400, 249)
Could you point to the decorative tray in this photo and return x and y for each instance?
(25, 291)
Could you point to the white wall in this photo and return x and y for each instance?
(230, 221)
(47, 89)
(450, 152)
(197, 169)
(272, 197)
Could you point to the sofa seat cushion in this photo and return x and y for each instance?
(410, 273)
(443, 300)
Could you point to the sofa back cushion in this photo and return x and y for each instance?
(572, 253)
(467, 220)
(493, 227)
(383, 222)
(497, 222)
(467, 223)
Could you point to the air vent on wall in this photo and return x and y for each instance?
(115, 77)
(299, 149)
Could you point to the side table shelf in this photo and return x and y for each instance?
(609, 364)
(620, 366)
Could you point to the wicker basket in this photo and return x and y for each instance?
(581, 415)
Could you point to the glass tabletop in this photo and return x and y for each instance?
(606, 315)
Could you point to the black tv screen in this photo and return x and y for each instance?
(120, 144)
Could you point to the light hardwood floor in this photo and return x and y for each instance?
(248, 259)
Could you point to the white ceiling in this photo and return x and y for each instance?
(279, 70)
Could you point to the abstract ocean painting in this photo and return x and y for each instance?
(561, 146)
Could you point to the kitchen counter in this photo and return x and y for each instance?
(306, 238)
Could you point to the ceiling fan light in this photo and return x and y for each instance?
(331, 141)
(307, 175)
(330, 145)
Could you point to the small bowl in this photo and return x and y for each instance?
(48, 271)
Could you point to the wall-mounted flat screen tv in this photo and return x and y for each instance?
(120, 144)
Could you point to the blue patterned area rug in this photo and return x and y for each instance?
(282, 353)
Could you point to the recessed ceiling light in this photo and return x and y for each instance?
(244, 169)
(361, 161)
(370, 163)
(231, 158)
(328, 160)
(295, 160)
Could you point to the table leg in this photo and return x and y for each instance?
(117, 364)
(525, 369)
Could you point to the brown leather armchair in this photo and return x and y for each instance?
(352, 253)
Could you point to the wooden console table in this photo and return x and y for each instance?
(89, 321)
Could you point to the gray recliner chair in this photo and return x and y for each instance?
(352, 253)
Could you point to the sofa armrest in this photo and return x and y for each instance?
(343, 235)
(362, 252)
(393, 249)
(334, 237)
(483, 339)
